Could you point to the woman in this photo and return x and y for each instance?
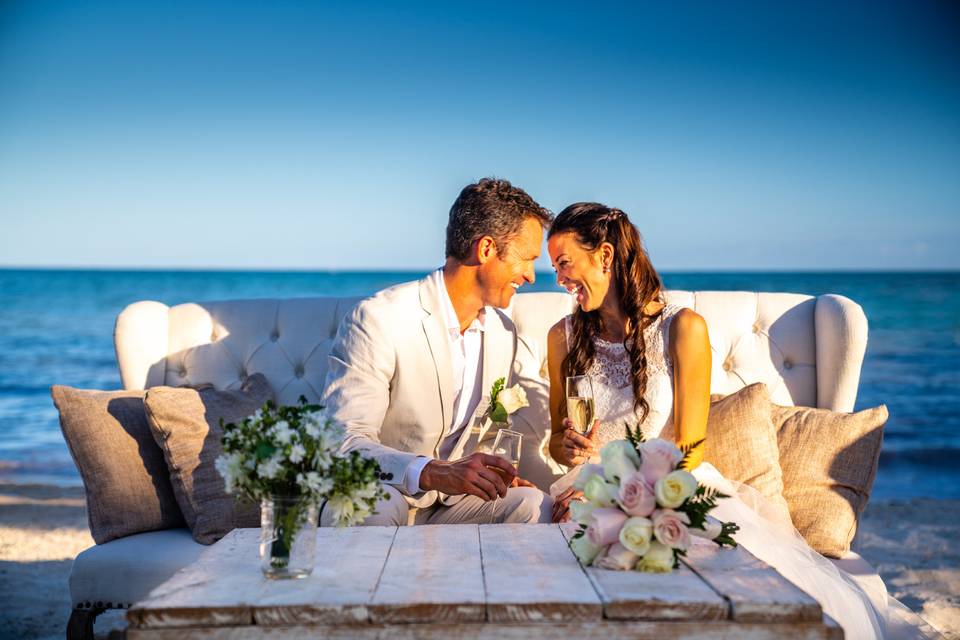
(649, 364)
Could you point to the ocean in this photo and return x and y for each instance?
(56, 327)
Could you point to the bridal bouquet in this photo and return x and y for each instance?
(642, 507)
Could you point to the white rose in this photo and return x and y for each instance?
(600, 492)
(618, 558)
(585, 550)
(587, 470)
(513, 398)
(635, 535)
(619, 460)
(657, 559)
(580, 511)
(675, 487)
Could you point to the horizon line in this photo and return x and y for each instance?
(415, 270)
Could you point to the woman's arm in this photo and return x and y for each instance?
(690, 352)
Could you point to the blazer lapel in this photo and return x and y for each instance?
(435, 330)
(499, 347)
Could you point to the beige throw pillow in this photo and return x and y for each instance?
(829, 461)
(186, 424)
(742, 443)
(122, 468)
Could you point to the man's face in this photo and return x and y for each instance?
(505, 272)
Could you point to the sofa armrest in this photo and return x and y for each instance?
(140, 339)
(841, 335)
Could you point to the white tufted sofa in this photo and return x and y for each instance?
(807, 350)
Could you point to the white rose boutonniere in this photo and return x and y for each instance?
(503, 402)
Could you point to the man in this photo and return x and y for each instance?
(410, 366)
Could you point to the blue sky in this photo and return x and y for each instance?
(299, 135)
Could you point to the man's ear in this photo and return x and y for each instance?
(486, 249)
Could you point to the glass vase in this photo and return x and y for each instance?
(288, 536)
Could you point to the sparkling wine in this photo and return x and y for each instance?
(580, 411)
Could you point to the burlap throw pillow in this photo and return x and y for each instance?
(122, 468)
(186, 424)
(742, 443)
(829, 461)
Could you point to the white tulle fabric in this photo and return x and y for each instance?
(764, 530)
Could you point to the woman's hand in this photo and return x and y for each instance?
(575, 449)
(561, 505)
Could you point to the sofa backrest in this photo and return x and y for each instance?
(807, 350)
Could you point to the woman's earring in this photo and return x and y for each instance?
(606, 268)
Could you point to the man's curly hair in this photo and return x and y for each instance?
(491, 207)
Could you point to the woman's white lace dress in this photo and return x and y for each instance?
(764, 531)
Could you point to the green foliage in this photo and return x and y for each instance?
(686, 450)
(635, 437)
(496, 389)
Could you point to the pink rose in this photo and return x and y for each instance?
(618, 558)
(670, 528)
(605, 524)
(636, 496)
(658, 458)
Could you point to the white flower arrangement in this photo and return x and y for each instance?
(642, 506)
(291, 451)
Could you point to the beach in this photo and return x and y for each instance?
(914, 543)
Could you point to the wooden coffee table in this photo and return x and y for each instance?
(469, 581)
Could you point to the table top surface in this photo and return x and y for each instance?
(465, 574)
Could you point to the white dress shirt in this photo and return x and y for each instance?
(466, 356)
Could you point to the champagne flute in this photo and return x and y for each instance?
(580, 404)
(507, 446)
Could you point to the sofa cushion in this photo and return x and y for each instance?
(186, 424)
(123, 471)
(742, 442)
(829, 461)
(121, 572)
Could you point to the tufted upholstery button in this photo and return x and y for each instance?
(274, 335)
(727, 366)
(182, 372)
(298, 371)
(787, 364)
(756, 327)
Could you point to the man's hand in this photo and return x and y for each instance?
(561, 505)
(575, 448)
(479, 474)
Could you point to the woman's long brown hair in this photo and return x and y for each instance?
(637, 283)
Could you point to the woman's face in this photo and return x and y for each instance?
(579, 271)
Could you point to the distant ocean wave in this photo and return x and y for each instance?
(56, 327)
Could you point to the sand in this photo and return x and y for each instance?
(915, 544)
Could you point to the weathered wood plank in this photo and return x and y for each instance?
(434, 574)
(348, 566)
(756, 592)
(227, 587)
(530, 575)
(600, 630)
(196, 595)
(635, 595)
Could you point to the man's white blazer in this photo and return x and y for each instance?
(390, 380)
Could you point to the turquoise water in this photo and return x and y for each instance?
(57, 327)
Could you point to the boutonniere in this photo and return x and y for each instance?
(503, 402)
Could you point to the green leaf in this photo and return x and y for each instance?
(495, 391)
(264, 450)
(499, 413)
(686, 450)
